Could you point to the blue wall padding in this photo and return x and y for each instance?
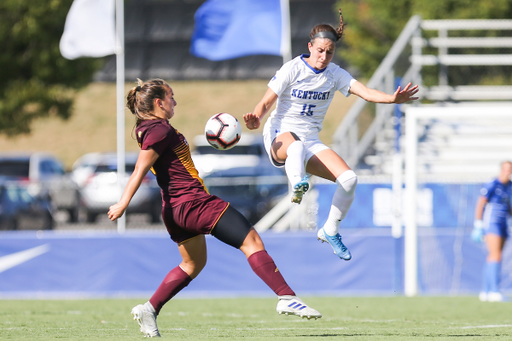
(105, 264)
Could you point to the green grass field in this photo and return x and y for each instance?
(345, 318)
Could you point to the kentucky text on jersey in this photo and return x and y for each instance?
(305, 94)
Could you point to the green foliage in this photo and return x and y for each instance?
(36, 81)
(373, 25)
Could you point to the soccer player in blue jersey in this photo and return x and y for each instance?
(303, 89)
(491, 213)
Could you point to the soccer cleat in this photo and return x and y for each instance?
(299, 189)
(482, 296)
(496, 297)
(337, 245)
(145, 316)
(292, 305)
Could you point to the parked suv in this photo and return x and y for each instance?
(20, 209)
(242, 175)
(46, 174)
(248, 152)
(96, 174)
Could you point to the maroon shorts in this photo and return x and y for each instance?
(193, 218)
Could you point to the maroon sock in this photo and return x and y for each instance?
(175, 280)
(263, 265)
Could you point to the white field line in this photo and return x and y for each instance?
(486, 326)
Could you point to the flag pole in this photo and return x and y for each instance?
(121, 222)
(286, 40)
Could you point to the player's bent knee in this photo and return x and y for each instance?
(193, 268)
(348, 180)
(252, 243)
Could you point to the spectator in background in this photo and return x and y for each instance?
(491, 213)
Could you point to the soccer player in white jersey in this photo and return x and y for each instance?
(492, 210)
(303, 89)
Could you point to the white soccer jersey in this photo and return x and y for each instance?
(304, 95)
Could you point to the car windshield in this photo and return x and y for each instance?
(113, 168)
(14, 168)
(242, 191)
(237, 150)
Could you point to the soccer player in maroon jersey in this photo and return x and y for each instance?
(189, 211)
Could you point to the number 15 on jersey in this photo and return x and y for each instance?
(307, 109)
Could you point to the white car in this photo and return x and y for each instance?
(249, 152)
(242, 175)
(96, 174)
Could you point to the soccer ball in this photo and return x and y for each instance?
(223, 131)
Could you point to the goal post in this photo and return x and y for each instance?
(479, 112)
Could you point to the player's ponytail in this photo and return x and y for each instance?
(140, 99)
(131, 98)
(341, 26)
(327, 31)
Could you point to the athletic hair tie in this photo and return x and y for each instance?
(325, 34)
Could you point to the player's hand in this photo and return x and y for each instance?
(115, 211)
(251, 121)
(477, 235)
(406, 94)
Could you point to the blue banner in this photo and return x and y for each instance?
(226, 29)
(439, 205)
(48, 264)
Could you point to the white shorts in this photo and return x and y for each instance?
(312, 142)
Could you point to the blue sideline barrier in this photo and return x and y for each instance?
(61, 264)
(439, 205)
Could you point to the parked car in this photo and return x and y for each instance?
(96, 174)
(45, 172)
(249, 152)
(251, 190)
(21, 208)
(242, 175)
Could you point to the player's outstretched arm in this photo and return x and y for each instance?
(253, 119)
(371, 95)
(145, 161)
(406, 94)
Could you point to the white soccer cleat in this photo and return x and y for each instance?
(496, 297)
(145, 316)
(482, 296)
(292, 305)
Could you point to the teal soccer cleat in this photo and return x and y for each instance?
(299, 189)
(337, 245)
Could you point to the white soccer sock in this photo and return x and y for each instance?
(341, 201)
(294, 164)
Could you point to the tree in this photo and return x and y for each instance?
(373, 25)
(35, 80)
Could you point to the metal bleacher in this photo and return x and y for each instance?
(448, 148)
(451, 147)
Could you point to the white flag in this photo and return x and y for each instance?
(89, 30)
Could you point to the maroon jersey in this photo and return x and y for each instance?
(174, 169)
